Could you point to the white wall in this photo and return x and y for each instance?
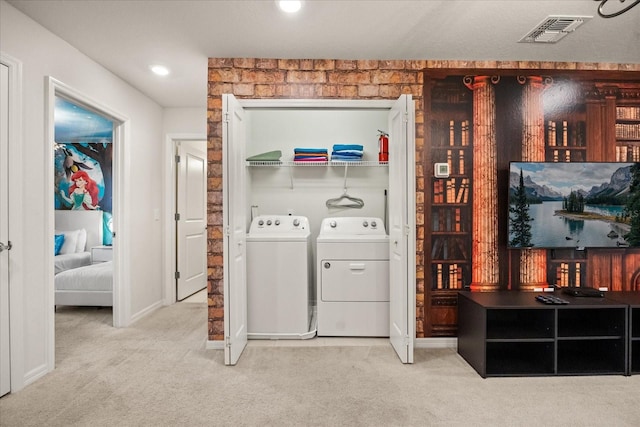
(44, 54)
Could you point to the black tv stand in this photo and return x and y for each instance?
(511, 334)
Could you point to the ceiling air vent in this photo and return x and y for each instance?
(554, 28)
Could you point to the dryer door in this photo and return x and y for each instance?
(355, 280)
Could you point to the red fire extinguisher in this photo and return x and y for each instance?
(383, 142)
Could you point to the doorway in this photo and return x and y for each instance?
(120, 298)
(185, 216)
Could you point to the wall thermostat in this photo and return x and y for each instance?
(441, 170)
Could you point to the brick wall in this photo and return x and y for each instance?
(309, 79)
(334, 79)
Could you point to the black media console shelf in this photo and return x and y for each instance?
(511, 334)
(633, 300)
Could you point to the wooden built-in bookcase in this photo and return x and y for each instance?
(586, 117)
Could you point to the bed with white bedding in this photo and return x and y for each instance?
(77, 280)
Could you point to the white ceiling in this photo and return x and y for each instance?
(126, 36)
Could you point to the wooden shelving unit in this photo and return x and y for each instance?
(627, 133)
(511, 334)
(449, 219)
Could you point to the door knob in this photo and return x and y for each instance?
(7, 247)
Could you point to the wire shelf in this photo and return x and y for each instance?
(291, 163)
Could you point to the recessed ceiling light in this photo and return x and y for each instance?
(290, 6)
(160, 70)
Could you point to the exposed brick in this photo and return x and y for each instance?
(288, 64)
(511, 65)
(243, 89)
(528, 65)
(389, 91)
(349, 78)
(244, 62)
(368, 91)
(225, 75)
(220, 62)
(348, 91)
(368, 64)
(296, 76)
(265, 91)
(416, 65)
(392, 65)
(217, 89)
(346, 65)
(263, 76)
(324, 64)
(306, 64)
(266, 64)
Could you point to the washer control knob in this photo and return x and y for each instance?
(268, 222)
(373, 224)
(260, 222)
(327, 265)
(365, 224)
(277, 222)
(296, 222)
(333, 224)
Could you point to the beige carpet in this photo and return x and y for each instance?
(158, 373)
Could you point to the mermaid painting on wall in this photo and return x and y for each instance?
(83, 193)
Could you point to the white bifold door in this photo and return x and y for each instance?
(234, 228)
(402, 237)
(401, 122)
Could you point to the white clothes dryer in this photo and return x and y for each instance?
(280, 289)
(352, 277)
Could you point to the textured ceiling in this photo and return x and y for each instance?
(126, 36)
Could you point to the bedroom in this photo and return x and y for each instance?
(83, 163)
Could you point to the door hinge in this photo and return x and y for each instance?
(227, 231)
(406, 117)
(177, 159)
(177, 275)
(407, 230)
(177, 217)
(227, 341)
(226, 117)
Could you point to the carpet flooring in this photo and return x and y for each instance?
(158, 372)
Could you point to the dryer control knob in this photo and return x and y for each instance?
(277, 222)
(333, 224)
(365, 224)
(296, 222)
(260, 222)
(268, 222)
(373, 224)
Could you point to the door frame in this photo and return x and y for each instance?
(18, 261)
(121, 175)
(169, 242)
(410, 225)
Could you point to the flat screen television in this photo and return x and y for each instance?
(575, 205)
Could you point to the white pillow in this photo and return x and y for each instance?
(70, 242)
(82, 240)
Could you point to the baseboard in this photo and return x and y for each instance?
(145, 312)
(446, 342)
(35, 374)
(215, 345)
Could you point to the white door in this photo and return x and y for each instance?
(191, 218)
(234, 228)
(5, 365)
(402, 291)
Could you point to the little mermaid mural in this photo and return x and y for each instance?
(83, 193)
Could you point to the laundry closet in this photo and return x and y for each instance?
(262, 197)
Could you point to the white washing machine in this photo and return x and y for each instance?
(352, 277)
(280, 289)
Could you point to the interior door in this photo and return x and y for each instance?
(234, 227)
(191, 222)
(402, 228)
(5, 364)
